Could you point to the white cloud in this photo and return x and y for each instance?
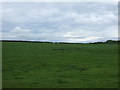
(16, 33)
(19, 30)
(68, 36)
(86, 39)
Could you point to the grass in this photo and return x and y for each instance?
(47, 65)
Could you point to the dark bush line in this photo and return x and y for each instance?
(108, 41)
(25, 41)
(35, 41)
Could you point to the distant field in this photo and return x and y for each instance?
(48, 65)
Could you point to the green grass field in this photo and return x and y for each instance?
(48, 65)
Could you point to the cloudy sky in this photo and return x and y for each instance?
(61, 21)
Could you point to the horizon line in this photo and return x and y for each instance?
(46, 41)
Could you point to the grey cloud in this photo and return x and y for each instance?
(73, 22)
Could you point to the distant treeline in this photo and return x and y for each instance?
(25, 41)
(108, 41)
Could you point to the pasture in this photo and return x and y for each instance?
(48, 65)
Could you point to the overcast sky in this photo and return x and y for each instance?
(68, 22)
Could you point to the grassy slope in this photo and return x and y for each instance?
(59, 65)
